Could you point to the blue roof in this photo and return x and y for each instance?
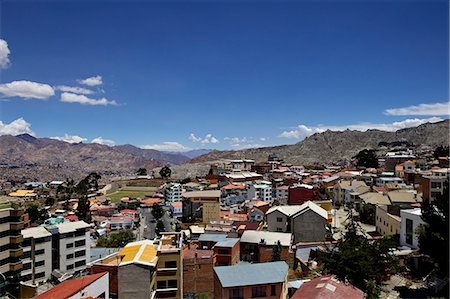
(212, 237)
(246, 274)
(228, 242)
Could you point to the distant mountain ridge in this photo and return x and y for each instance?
(30, 158)
(337, 145)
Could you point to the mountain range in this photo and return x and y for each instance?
(332, 146)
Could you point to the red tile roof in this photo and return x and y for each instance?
(71, 217)
(327, 287)
(70, 287)
(128, 211)
(151, 201)
(233, 186)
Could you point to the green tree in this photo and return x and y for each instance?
(367, 158)
(141, 171)
(117, 239)
(441, 151)
(160, 226)
(35, 214)
(157, 211)
(165, 172)
(363, 263)
(434, 234)
(49, 201)
(83, 209)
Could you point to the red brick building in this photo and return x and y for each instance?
(198, 270)
(299, 194)
(227, 252)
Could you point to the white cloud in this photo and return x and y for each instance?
(27, 90)
(236, 141)
(422, 109)
(167, 146)
(4, 54)
(103, 141)
(16, 127)
(73, 89)
(91, 81)
(302, 131)
(209, 138)
(263, 138)
(84, 100)
(70, 138)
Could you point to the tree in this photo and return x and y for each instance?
(49, 201)
(434, 234)
(35, 214)
(367, 158)
(160, 226)
(441, 151)
(141, 171)
(83, 209)
(117, 239)
(276, 255)
(165, 172)
(363, 263)
(157, 211)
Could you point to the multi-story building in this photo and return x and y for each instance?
(169, 269)
(10, 250)
(259, 246)
(385, 222)
(262, 192)
(198, 276)
(281, 194)
(245, 280)
(433, 183)
(202, 206)
(37, 255)
(227, 252)
(71, 244)
(410, 220)
(173, 192)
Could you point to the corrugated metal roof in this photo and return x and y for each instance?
(246, 274)
(270, 238)
(212, 237)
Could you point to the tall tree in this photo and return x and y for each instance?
(165, 172)
(141, 171)
(434, 234)
(157, 211)
(363, 263)
(83, 209)
(367, 158)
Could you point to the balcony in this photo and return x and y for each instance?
(17, 225)
(13, 267)
(16, 239)
(16, 252)
(16, 213)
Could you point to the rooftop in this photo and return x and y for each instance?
(35, 232)
(67, 227)
(212, 237)
(327, 287)
(140, 252)
(229, 242)
(269, 238)
(202, 194)
(246, 274)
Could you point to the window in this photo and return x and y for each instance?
(26, 254)
(69, 267)
(26, 266)
(40, 263)
(224, 251)
(273, 290)
(172, 284)
(40, 251)
(259, 291)
(80, 263)
(436, 185)
(170, 264)
(279, 229)
(69, 245)
(409, 231)
(40, 274)
(80, 253)
(80, 243)
(69, 256)
(236, 294)
(279, 219)
(161, 284)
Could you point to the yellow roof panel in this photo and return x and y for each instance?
(129, 253)
(148, 254)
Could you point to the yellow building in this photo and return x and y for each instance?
(201, 206)
(386, 223)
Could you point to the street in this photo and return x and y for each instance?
(148, 224)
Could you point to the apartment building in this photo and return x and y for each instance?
(201, 206)
(37, 255)
(433, 183)
(173, 192)
(71, 244)
(10, 250)
(410, 220)
(262, 192)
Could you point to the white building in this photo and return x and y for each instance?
(42, 254)
(281, 194)
(410, 221)
(73, 248)
(262, 192)
(173, 192)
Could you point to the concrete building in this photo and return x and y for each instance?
(201, 206)
(410, 221)
(433, 183)
(176, 209)
(281, 194)
(385, 222)
(307, 222)
(10, 250)
(262, 192)
(41, 263)
(91, 286)
(339, 189)
(71, 246)
(244, 280)
(299, 194)
(119, 222)
(173, 192)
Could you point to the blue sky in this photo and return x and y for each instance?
(177, 75)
